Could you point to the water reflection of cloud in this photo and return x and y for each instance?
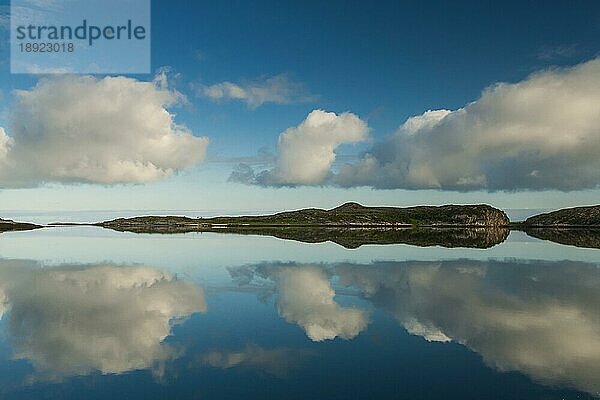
(539, 318)
(74, 320)
(276, 361)
(3, 302)
(306, 298)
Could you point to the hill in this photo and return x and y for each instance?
(567, 217)
(7, 225)
(347, 215)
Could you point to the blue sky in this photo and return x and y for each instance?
(383, 62)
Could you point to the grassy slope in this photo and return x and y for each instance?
(8, 225)
(575, 217)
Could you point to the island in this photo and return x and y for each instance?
(350, 225)
(7, 225)
(578, 226)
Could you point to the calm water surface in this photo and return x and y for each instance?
(95, 314)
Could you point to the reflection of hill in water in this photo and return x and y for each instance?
(352, 238)
(579, 237)
(355, 237)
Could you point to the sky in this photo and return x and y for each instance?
(264, 106)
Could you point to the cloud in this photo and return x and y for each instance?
(551, 53)
(539, 318)
(305, 153)
(538, 134)
(108, 131)
(279, 89)
(75, 320)
(541, 133)
(5, 144)
(263, 157)
(306, 298)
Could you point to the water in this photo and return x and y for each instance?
(90, 313)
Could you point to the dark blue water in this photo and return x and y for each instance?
(94, 314)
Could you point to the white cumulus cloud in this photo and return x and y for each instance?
(305, 153)
(541, 133)
(83, 129)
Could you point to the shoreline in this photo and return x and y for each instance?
(258, 221)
